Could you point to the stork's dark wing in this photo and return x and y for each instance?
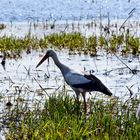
(94, 84)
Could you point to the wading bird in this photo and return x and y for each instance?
(80, 83)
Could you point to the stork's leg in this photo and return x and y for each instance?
(77, 105)
(77, 97)
(85, 104)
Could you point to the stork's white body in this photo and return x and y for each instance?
(79, 82)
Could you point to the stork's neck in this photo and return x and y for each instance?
(64, 69)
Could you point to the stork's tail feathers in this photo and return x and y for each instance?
(98, 85)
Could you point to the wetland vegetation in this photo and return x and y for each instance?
(74, 42)
(60, 117)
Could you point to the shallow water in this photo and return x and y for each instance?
(85, 27)
(21, 10)
(22, 75)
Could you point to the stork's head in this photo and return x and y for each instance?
(49, 53)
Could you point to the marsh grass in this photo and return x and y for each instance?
(111, 39)
(125, 43)
(63, 118)
(13, 47)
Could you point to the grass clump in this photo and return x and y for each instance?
(72, 41)
(124, 43)
(13, 47)
(63, 118)
(75, 42)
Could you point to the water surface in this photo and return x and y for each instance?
(21, 10)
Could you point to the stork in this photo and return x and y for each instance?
(79, 82)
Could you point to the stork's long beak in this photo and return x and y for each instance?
(42, 60)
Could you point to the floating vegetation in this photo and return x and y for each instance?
(63, 118)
